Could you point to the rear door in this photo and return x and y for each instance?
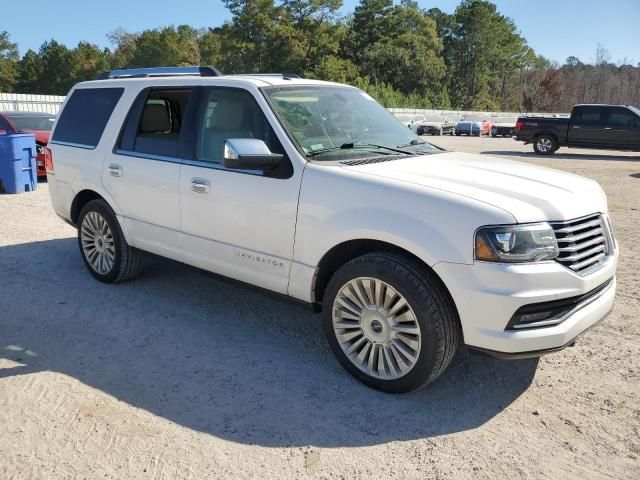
(623, 128)
(143, 170)
(586, 127)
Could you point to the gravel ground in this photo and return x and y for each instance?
(180, 374)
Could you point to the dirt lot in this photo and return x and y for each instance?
(179, 374)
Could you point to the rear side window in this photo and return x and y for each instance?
(86, 115)
(155, 122)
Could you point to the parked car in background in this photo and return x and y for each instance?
(313, 190)
(503, 129)
(469, 127)
(441, 127)
(37, 123)
(414, 122)
(608, 127)
(486, 127)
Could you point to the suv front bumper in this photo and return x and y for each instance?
(487, 295)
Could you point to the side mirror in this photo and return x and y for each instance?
(249, 154)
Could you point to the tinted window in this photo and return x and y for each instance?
(86, 115)
(32, 122)
(160, 124)
(621, 118)
(230, 113)
(588, 115)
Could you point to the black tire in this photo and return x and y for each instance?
(128, 261)
(434, 309)
(545, 144)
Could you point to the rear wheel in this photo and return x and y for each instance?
(391, 325)
(104, 250)
(545, 145)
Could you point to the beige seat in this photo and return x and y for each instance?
(228, 121)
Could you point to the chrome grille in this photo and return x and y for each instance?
(583, 243)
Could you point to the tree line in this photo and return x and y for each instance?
(404, 56)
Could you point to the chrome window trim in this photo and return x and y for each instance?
(148, 156)
(71, 144)
(192, 163)
(220, 166)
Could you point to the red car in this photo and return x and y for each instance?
(486, 127)
(32, 122)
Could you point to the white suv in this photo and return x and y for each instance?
(313, 190)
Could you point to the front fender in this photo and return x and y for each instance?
(337, 205)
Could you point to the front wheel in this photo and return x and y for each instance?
(545, 145)
(104, 250)
(390, 322)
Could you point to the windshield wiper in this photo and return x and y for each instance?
(357, 145)
(373, 145)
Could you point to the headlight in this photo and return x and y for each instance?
(516, 243)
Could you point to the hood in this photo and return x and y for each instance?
(528, 192)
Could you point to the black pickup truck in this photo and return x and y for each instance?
(610, 127)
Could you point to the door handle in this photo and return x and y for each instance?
(115, 170)
(200, 185)
(575, 126)
(608, 128)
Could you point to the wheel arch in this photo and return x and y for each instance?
(551, 133)
(80, 200)
(83, 197)
(347, 250)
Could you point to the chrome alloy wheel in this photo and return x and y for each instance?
(544, 144)
(376, 328)
(97, 243)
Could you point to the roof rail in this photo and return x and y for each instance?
(160, 72)
(283, 75)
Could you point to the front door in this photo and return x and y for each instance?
(623, 128)
(240, 224)
(586, 127)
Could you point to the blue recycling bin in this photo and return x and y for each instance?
(18, 172)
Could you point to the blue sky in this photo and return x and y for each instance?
(554, 28)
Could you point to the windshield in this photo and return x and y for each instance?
(32, 122)
(331, 123)
(634, 110)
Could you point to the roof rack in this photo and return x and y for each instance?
(161, 72)
(283, 75)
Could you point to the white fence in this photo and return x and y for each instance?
(51, 104)
(405, 115)
(24, 102)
